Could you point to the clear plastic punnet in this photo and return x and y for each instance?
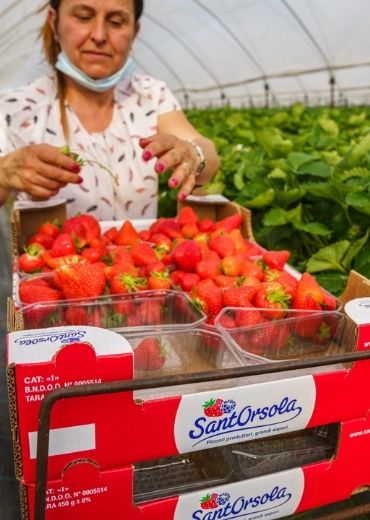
(297, 334)
(140, 311)
(186, 351)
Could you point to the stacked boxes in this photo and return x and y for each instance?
(256, 447)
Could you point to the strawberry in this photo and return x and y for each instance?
(44, 240)
(225, 281)
(119, 255)
(124, 282)
(76, 315)
(54, 263)
(63, 245)
(248, 317)
(149, 354)
(170, 228)
(208, 297)
(227, 322)
(283, 336)
(142, 254)
(276, 259)
(32, 260)
(208, 268)
(162, 241)
(308, 285)
(159, 280)
(212, 408)
(84, 227)
(271, 295)
(126, 235)
(186, 255)
(186, 281)
(187, 216)
(50, 228)
(264, 336)
(206, 225)
(252, 268)
(110, 235)
(330, 303)
(223, 245)
(145, 235)
(285, 279)
(238, 296)
(232, 265)
(229, 223)
(209, 501)
(91, 254)
(30, 292)
(149, 312)
(239, 241)
(323, 334)
(82, 280)
(250, 280)
(189, 230)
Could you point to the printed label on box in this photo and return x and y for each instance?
(206, 420)
(272, 496)
(359, 310)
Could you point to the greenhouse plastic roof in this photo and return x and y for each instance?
(245, 52)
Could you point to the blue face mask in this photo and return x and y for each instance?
(64, 65)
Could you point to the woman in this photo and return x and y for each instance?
(126, 128)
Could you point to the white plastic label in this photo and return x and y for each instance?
(210, 419)
(272, 496)
(39, 345)
(359, 310)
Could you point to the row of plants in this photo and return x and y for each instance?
(305, 174)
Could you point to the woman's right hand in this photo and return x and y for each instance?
(40, 170)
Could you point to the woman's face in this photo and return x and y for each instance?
(96, 35)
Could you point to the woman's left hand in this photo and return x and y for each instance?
(174, 154)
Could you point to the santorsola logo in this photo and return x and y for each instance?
(218, 407)
(221, 418)
(220, 505)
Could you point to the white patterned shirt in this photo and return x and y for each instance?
(33, 117)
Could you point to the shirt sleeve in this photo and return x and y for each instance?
(167, 101)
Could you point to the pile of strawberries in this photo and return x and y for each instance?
(211, 261)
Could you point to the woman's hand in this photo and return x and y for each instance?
(174, 154)
(40, 170)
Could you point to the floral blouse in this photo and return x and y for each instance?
(32, 116)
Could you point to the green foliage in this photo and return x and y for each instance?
(305, 173)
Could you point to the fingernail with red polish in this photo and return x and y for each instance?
(174, 182)
(143, 142)
(76, 168)
(160, 167)
(80, 180)
(147, 155)
(182, 196)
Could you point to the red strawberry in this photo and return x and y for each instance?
(189, 230)
(283, 336)
(49, 228)
(54, 263)
(248, 317)
(330, 303)
(30, 292)
(44, 240)
(159, 280)
(76, 315)
(186, 281)
(238, 296)
(124, 282)
(149, 354)
(229, 223)
(212, 408)
(84, 227)
(271, 295)
(145, 235)
(208, 297)
(308, 285)
(63, 245)
(276, 259)
(162, 241)
(208, 268)
(187, 216)
(232, 265)
(206, 225)
(253, 268)
(91, 254)
(110, 235)
(285, 279)
(239, 241)
(127, 235)
(142, 254)
(150, 312)
(264, 336)
(169, 227)
(82, 280)
(225, 281)
(186, 255)
(209, 501)
(227, 322)
(32, 260)
(223, 245)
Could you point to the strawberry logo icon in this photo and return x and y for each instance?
(212, 408)
(209, 501)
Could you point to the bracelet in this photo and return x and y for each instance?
(200, 153)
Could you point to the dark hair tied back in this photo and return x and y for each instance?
(138, 7)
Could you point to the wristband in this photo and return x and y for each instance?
(200, 154)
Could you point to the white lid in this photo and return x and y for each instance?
(359, 310)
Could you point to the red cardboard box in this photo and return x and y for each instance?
(85, 492)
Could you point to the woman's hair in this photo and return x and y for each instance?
(52, 49)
